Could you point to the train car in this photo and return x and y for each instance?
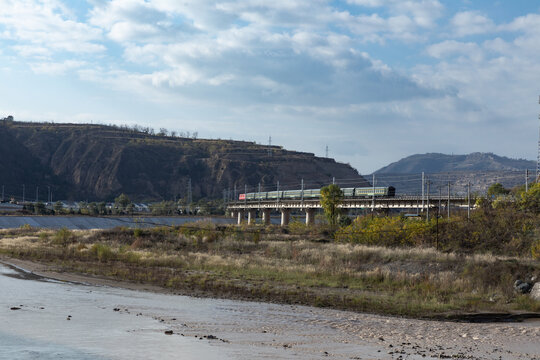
(379, 191)
(364, 192)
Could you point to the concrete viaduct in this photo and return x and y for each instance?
(239, 209)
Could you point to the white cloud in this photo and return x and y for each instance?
(471, 23)
(407, 20)
(46, 24)
(529, 23)
(451, 48)
(32, 51)
(55, 68)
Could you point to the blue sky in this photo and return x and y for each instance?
(374, 80)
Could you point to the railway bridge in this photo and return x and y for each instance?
(239, 209)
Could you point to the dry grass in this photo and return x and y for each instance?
(405, 281)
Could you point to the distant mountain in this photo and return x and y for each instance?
(480, 170)
(98, 162)
(442, 163)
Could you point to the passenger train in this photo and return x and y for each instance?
(361, 192)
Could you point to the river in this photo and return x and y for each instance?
(75, 222)
(63, 320)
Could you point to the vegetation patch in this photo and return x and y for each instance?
(380, 265)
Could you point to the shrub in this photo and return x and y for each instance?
(102, 252)
(535, 249)
(63, 236)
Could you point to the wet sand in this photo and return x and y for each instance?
(241, 329)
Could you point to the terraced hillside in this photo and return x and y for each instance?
(97, 162)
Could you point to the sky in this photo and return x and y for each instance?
(373, 80)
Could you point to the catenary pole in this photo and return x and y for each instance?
(302, 193)
(373, 195)
(423, 182)
(277, 197)
(468, 201)
(448, 205)
(427, 213)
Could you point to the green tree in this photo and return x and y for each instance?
(497, 189)
(102, 208)
(121, 202)
(58, 207)
(39, 208)
(93, 209)
(331, 198)
(530, 200)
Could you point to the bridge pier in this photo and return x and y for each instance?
(266, 216)
(233, 214)
(285, 216)
(310, 216)
(251, 216)
(240, 216)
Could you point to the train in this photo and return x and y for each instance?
(359, 192)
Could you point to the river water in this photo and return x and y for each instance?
(62, 320)
(106, 222)
(114, 323)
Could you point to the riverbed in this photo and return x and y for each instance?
(54, 319)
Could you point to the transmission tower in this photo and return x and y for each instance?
(327, 151)
(538, 156)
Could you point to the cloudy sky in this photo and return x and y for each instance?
(375, 80)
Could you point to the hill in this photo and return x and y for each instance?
(480, 170)
(438, 163)
(98, 162)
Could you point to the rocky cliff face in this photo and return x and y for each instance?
(97, 162)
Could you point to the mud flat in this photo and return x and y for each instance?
(83, 318)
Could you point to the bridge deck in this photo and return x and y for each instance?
(397, 202)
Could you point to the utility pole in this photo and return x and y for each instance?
(189, 195)
(373, 196)
(423, 182)
(245, 196)
(334, 180)
(427, 213)
(235, 197)
(23, 191)
(440, 196)
(327, 151)
(259, 196)
(269, 146)
(437, 224)
(448, 201)
(49, 198)
(302, 193)
(526, 180)
(277, 197)
(2, 193)
(37, 194)
(468, 201)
